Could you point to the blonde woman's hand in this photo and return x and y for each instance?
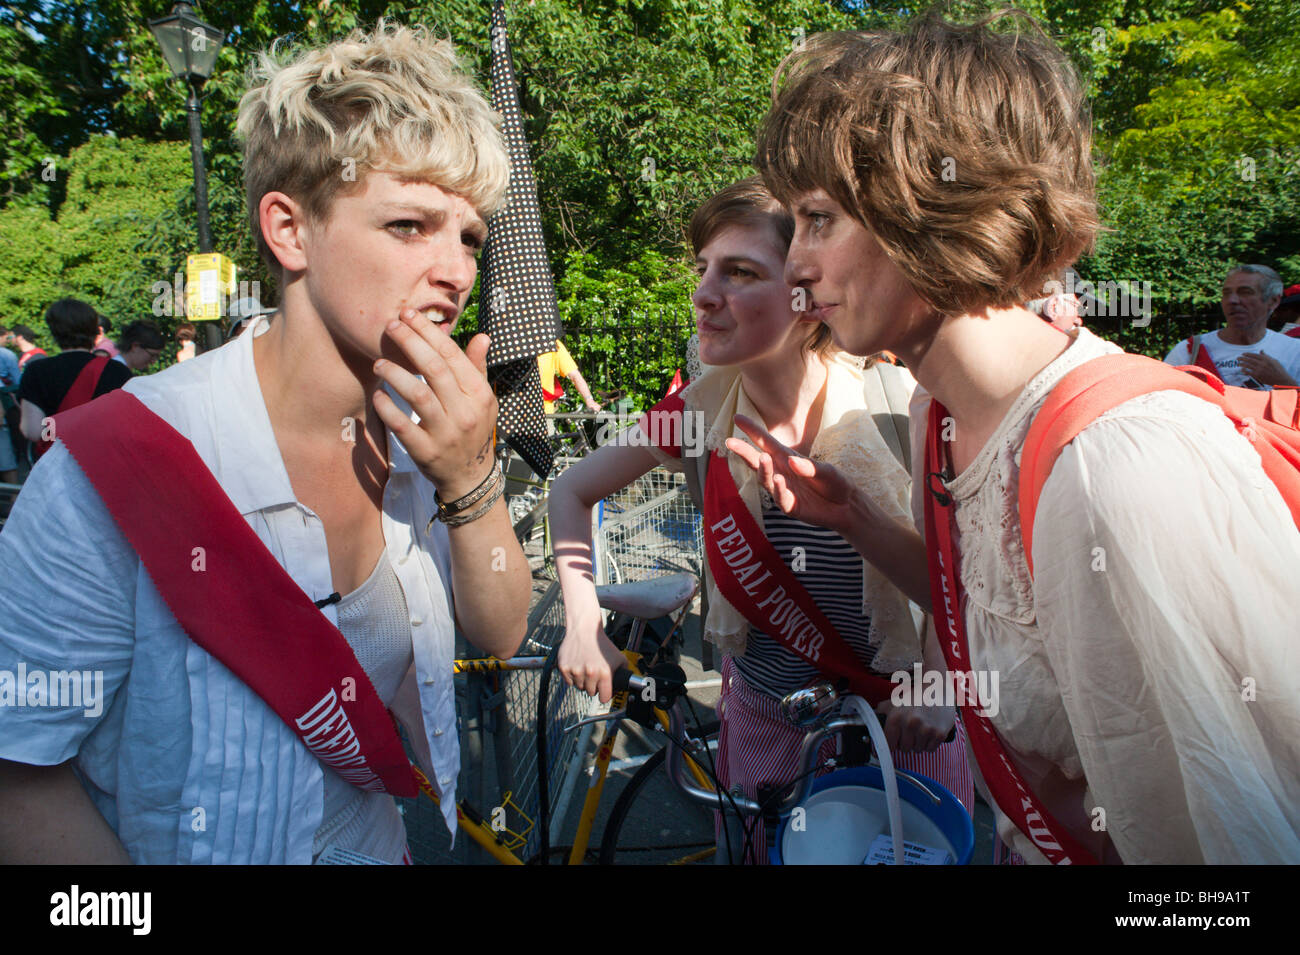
(452, 442)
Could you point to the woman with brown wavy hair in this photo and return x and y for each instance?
(938, 176)
(784, 597)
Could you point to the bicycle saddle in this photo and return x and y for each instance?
(656, 597)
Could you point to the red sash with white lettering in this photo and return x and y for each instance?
(1009, 790)
(752, 576)
(228, 592)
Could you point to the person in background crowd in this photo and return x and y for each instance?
(9, 376)
(1159, 572)
(1060, 310)
(140, 346)
(1288, 312)
(185, 335)
(1245, 352)
(1061, 307)
(46, 385)
(28, 350)
(103, 344)
(557, 364)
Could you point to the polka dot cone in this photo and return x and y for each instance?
(518, 385)
(517, 303)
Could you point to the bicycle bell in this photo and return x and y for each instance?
(806, 706)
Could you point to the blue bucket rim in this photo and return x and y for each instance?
(873, 778)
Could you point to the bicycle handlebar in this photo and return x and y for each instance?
(808, 754)
(662, 685)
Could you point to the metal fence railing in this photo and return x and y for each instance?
(649, 529)
(498, 718)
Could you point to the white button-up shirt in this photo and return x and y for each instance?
(186, 763)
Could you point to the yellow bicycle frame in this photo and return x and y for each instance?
(494, 842)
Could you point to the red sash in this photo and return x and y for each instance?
(1009, 790)
(232, 597)
(553, 394)
(82, 390)
(752, 576)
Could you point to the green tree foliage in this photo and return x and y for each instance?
(1208, 172)
(635, 110)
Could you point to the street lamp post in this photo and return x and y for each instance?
(190, 48)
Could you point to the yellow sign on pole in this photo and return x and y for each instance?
(209, 281)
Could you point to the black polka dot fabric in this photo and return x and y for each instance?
(517, 305)
(520, 422)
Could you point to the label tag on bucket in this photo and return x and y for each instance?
(882, 853)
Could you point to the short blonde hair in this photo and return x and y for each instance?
(315, 120)
(965, 151)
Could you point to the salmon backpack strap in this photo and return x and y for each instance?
(1270, 420)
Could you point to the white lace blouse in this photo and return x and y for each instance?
(1149, 674)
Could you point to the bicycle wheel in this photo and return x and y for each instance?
(636, 833)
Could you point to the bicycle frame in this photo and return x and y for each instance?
(493, 840)
(600, 770)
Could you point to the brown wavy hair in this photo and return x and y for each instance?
(965, 151)
(750, 203)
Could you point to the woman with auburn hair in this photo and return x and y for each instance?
(937, 176)
(767, 362)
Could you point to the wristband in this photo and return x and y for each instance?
(456, 520)
(464, 503)
(491, 487)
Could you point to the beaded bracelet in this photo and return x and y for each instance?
(458, 519)
(494, 482)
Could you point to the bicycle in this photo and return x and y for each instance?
(652, 692)
(505, 829)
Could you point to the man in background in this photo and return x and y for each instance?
(47, 385)
(28, 351)
(140, 346)
(1245, 352)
